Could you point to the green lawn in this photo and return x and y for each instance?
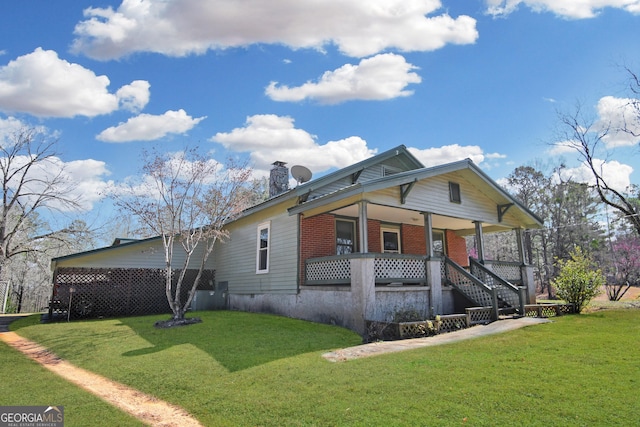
(260, 370)
(26, 383)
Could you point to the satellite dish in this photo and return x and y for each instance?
(300, 174)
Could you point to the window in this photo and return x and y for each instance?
(454, 192)
(390, 239)
(438, 243)
(262, 257)
(345, 237)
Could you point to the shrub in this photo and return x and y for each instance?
(579, 280)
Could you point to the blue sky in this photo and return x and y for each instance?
(322, 84)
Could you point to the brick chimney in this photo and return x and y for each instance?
(278, 179)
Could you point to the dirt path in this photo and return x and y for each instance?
(147, 409)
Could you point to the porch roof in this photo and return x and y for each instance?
(340, 199)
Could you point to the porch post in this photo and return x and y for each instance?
(428, 233)
(520, 240)
(433, 273)
(363, 285)
(479, 241)
(362, 227)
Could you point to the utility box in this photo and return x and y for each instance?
(203, 300)
(217, 299)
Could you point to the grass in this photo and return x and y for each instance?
(26, 383)
(237, 369)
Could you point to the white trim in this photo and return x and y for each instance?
(259, 249)
(390, 229)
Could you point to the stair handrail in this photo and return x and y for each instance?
(476, 281)
(501, 284)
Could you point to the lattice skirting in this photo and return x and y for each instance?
(548, 310)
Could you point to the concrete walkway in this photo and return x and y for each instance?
(383, 347)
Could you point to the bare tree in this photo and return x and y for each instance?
(588, 138)
(33, 181)
(186, 199)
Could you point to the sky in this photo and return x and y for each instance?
(323, 84)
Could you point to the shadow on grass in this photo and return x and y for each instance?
(239, 340)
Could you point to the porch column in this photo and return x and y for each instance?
(479, 240)
(363, 291)
(434, 280)
(362, 227)
(520, 240)
(526, 272)
(428, 233)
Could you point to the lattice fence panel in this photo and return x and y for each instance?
(479, 315)
(413, 329)
(399, 268)
(327, 270)
(93, 292)
(548, 310)
(452, 322)
(566, 308)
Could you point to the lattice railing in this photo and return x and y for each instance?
(470, 286)
(109, 292)
(509, 296)
(399, 268)
(330, 270)
(509, 271)
(388, 268)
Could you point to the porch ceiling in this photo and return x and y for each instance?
(405, 216)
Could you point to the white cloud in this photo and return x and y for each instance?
(148, 127)
(573, 9)
(9, 127)
(451, 153)
(617, 175)
(182, 27)
(617, 114)
(135, 96)
(271, 138)
(80, 180)
(44, 85)
(383, 76)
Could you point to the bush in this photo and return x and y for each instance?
(579, 280)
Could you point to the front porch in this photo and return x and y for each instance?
(383, 285)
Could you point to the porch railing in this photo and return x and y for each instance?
(470, 286)
(332, 270)
(509, 294)
(388, 268)
(510, 271)
(399, 268)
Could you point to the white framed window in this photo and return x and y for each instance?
(390, 237)
(263, 248)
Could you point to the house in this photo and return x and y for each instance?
(365, 242)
